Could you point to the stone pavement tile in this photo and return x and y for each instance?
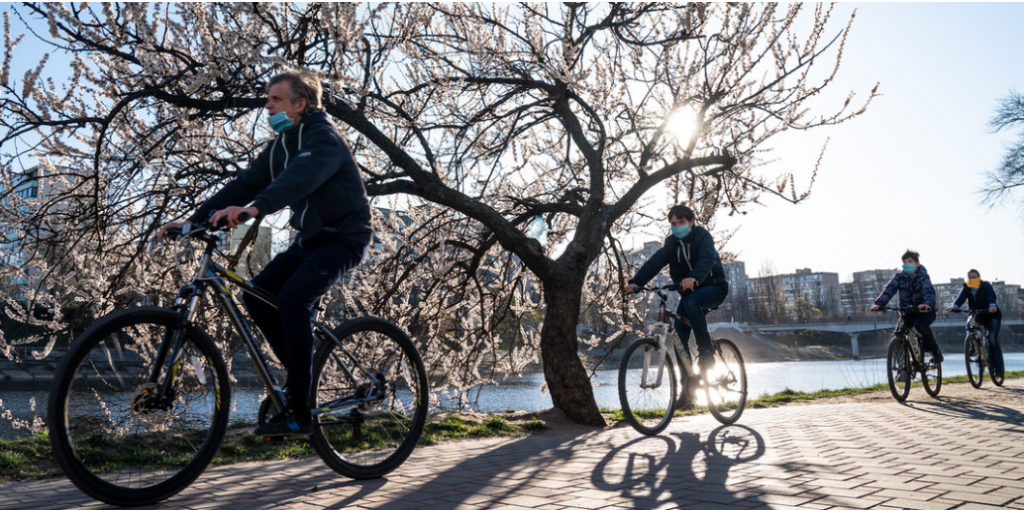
(958, 481)
(847, 483)
(917, 495)
(914, 504)
(783, 500)
(986, 499)
(846, 502)
(848, 493)
(976, 506)
(898, 485)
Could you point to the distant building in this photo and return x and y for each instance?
(772, 296)
(859, 295)
(29, 189)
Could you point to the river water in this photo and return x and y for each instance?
(525, 393)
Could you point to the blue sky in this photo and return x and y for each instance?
(906, 173)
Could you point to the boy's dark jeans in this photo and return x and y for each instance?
(298, 277)
(922, 323)
(692, 307)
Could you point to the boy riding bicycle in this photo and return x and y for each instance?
(695, 265)
(916, 291)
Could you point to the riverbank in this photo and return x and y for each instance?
(30, 458)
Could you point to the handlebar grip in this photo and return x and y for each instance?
(223, 222)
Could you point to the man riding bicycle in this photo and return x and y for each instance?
(694, 264)
(981, 296)
(916, 291)
(308, 167)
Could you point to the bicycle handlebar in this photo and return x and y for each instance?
(980, 310)
(194, 229)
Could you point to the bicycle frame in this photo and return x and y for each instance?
(972, 326)
(214, 277)
(663, 329)
(911, 337)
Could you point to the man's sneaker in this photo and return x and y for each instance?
(285, 424)
(937, 357)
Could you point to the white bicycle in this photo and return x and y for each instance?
(651, 372)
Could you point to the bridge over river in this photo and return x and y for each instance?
(855, 328)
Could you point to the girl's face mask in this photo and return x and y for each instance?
(974, 283)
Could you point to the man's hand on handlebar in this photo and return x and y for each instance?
(631, 288)
(688, 283)
(876, 308)
(924, 308)
(232, 214)
(169, 226)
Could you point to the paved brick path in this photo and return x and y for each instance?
(957, 452)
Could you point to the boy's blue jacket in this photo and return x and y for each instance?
(693, 256)
(915, 289)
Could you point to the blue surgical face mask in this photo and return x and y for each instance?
(681, 232)
(909, 268)
(279, 122)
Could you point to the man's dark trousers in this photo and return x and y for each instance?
(299, 277)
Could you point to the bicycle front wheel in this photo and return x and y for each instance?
(370, 398)
(975, 361)
(647, 387)
(121, 438)
(931, 376)
(897, 362)
(726, 385)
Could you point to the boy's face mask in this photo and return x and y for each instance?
(974, 283)
(909, 267)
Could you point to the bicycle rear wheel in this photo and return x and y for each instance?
(931, 376)
(897, 362)
(375, 386)
(974, 360)
(115, 435)
(646, 390)
(726, 385)
(996, 365)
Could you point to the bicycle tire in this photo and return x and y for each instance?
(973, 359)
(115, 444)
(729, 383)
(647, 410)
(996, 360)
(372, 439)
(931, 377)
(897, 362)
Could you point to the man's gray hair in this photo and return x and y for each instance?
(301, 85)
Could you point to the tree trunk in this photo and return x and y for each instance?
(571, 390)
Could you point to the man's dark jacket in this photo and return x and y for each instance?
(693, 256)
(915, 289)
(309, 167)
(981, 300)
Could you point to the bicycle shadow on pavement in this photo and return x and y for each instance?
(652, 470)
(528, 470)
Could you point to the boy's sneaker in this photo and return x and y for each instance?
(937, 357)
(706, 362)
(285, 424)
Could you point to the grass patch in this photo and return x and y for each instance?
(31, 458)
(27, 457)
